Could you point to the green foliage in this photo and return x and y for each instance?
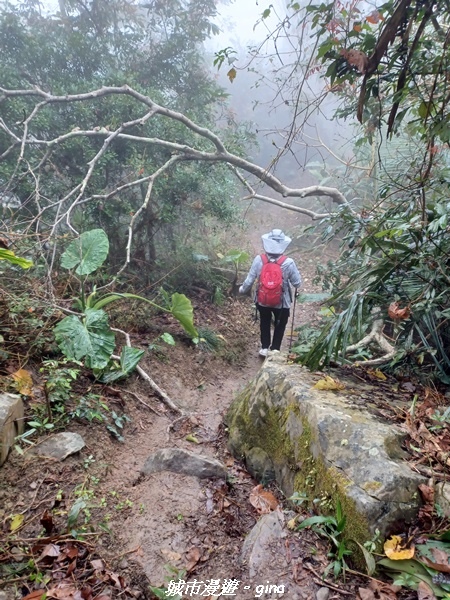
(10, 257)
(88, 336)
(157, 51)
(208, 340)
(331, 527)
(397, 253)
(86, 253)
(129, 359)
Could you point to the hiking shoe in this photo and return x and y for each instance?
(263, 351)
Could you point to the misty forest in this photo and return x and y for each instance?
(145, 147)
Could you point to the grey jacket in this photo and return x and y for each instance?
(291, 276)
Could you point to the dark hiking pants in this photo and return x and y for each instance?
(281, 316)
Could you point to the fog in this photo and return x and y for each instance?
(253, 95)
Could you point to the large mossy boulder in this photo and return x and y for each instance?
(320, 443)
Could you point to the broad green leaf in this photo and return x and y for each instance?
(236, 256)
(89, 337)
(74, 512)
(415, 570)
(129, 359)
(87, 253)
(15, 260)
(182, 310)
(166, 337)
(369, 558)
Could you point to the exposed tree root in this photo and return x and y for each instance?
(375, 335)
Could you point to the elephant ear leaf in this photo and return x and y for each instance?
(129, 359)
(87, 253)
(89, 338)
(181, 309)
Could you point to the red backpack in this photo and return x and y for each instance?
(270, 290)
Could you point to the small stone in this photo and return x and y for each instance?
(323, 593)
(33, 485)
(123, 564)
(184, 462)
(60, 445)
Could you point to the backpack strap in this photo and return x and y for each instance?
(264, 259)
(281, 260)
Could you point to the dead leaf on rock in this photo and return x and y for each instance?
(329, 384)
(395, 548)
(262, 500)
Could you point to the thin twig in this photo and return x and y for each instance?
(162, 394)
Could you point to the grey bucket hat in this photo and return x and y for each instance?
(275, 242)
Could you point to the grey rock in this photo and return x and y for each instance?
(11, 422)
(330, 444)
(259, 465)
(60, 445)
(3, 596)
(323, 593)
(442, 497)
(258, 545)
(184, 462)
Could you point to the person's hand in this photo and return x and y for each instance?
(241, 290)
(297, 293)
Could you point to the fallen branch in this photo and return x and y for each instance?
(155, 387)
(138, 398)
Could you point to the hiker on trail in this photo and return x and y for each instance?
(276, 274)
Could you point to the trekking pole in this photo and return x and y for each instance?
(292, 325)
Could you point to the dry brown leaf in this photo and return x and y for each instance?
(193, 555)
(441, 567)
(424, 592)
(377, 373)
(263, 501)
(395, 548)
(50, 550)
(36, 595)
(47, 522)
(232, 74)
(384, 591)
(171, 555)
(328, 383)
(24, 382)
(397, 313)
(366, 594)
(97, 564)
(356, 58)
(440, 556)
(65, 590)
